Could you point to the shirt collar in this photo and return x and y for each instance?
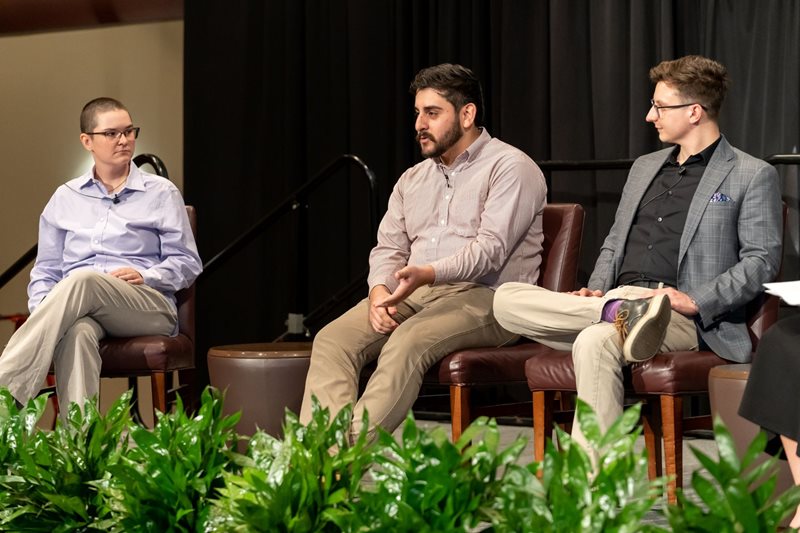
(701, 158)
(472, 151)
(135, 180)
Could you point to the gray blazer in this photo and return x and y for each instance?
(730, 246)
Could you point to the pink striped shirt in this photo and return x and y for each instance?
(479, 220)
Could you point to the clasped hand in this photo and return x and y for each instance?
(382, 303)
(128, 274)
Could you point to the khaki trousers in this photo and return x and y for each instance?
(566, 322)
(435, 321)
(66, 328)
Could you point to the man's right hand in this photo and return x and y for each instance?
(587, 292)
(380, 318)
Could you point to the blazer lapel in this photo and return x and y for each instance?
(717, 170)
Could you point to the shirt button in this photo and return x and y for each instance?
(669, 193)
(660, 219)
(649, 246)
(433, 239)
(447, 197)
(441, 222)
(96, 241)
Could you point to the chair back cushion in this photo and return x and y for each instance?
(186, 297)
(562, 225)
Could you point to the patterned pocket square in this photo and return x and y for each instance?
(720, 197)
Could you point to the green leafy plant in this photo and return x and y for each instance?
(49, 477)
(574, 496)
(424, 482)
(521, 503)
(738, 496)
(307, 481)
(167, 481)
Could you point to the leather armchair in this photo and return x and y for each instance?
(662, 382)
(466, 370)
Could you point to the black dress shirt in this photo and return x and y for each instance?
(651, 252)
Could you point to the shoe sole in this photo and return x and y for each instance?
(646, 336)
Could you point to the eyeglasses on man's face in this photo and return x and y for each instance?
(114, 135)
(658, 108)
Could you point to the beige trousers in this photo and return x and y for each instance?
(66, 328)
(435, 321)
(566, 322)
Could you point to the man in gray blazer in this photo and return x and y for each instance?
(696, 234)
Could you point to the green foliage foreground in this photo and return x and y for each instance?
(98, 472)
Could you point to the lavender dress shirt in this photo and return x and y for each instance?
(146, 229)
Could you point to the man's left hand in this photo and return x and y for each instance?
(411, 278)
(128, 274)
(680, 301)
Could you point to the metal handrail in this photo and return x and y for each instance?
(783, 159)
(154, 161)
(293, 202)
(20, 264)
(621, 164)
(598, 164)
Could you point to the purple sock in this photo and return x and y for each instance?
(610, 310)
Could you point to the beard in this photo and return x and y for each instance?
(439, 147)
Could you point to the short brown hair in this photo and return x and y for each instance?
(457, 84)
(96, 106)
(697, 78)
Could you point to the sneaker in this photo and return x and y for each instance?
(642, 326)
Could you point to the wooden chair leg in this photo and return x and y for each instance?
(460, 416)
(542, 421)
(652, 441)
(566, 402)
(158, 384)
(672, 428)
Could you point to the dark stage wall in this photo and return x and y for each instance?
(276, 89)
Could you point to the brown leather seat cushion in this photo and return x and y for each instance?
(143, 355)
(675, 372)
(666, 373)
(484, 366)
(550, 370)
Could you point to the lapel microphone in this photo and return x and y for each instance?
(116, 199)
(681, 173)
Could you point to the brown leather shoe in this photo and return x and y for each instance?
(642, 326)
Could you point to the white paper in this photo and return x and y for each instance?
(789, 291)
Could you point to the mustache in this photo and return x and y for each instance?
(425, 135)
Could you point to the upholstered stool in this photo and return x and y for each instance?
(726, 385)
(261, 381)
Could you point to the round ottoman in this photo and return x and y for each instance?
(261, 381)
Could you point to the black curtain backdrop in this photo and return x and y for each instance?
(274, 90)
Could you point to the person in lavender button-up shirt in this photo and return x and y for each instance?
(115, 246)
(460, 223)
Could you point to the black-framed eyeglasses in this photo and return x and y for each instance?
(658, 108)
(114, 135)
